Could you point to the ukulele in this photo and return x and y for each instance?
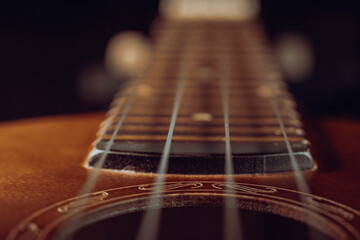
(205, 143)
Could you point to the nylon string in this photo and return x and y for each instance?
(91, 180)
(232, 223)
(150, 223)
(300, 181)
(299, 178)
(92, 177)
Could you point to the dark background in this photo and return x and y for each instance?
(45, 45)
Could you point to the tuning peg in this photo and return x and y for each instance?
(127, 53)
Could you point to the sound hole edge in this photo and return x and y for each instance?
(275, 211)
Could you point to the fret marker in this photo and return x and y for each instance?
(267, 91)
(278, 132)
(299, 132)
(202, 117)
(205, 73)
(145, 90)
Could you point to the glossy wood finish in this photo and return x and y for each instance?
(42, 162)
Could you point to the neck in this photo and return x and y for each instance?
(207, 54)
(238, 10)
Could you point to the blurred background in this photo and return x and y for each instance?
(50, 52)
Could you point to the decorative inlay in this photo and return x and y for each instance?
(324, 204)
(170, 186)
(334, 217)
(244, 188)
(82, 202)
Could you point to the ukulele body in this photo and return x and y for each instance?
(43, 163)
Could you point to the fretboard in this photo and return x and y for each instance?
(206, 56)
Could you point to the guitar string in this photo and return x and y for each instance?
(300, 181)
(299, 178)
(150, 223)
(232, 223)
(91, 179)
(90, 182)
(229, 170)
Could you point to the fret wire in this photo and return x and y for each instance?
(158, 108)
(190, 128)
(194, 138)
(259, 113)
(214, 115)
(238, 121)
(254, 100)
(212, 125)
(261, 105)
(198, 134)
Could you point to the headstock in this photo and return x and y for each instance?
(210, 9)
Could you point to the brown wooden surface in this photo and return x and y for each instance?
(41, 163)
